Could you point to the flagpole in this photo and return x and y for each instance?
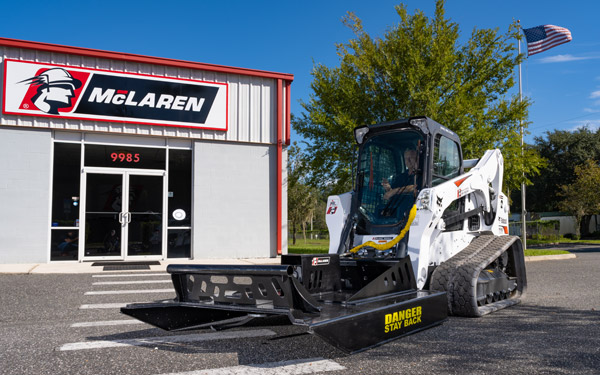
(523, 211)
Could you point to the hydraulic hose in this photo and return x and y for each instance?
(392, 243)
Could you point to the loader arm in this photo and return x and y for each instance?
(482, 184)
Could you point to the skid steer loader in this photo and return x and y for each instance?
(422, 235)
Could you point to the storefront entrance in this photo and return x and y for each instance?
(123, 214)
(118, 202)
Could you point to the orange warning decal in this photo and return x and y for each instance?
(459, 182)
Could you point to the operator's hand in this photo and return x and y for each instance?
(399, 190)
(386, 184)
(390, 193)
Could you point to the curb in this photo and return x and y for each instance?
(550, 257)
(74, 267)
(86, 267)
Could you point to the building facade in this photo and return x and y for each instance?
(115, 156)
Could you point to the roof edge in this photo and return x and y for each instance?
(130, 57)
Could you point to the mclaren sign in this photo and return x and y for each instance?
(36, 89)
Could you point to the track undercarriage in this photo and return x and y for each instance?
(486, 276)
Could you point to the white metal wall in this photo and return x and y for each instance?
(252, 101)
(25, 168)
(235, 200)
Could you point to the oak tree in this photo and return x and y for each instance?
(580, 198)
(419, 67)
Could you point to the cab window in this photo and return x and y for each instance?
(388, 179)
(446, 160)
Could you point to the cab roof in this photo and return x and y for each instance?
(425, 124)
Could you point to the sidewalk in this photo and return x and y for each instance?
(86, 267)
(550, 257)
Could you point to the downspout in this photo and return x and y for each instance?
(279, 165)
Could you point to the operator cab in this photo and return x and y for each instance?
(388, 177)
(395, 163)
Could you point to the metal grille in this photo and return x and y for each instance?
(377, 164)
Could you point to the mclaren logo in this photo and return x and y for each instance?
(320, 261)
(39, 89)
(54, 89)
(150, 100)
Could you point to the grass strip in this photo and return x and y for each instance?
(320, 249)
(536, 252)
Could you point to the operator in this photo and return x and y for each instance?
(412, 164)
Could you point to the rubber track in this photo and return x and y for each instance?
(458, 276)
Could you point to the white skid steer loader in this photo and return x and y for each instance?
(417, 239)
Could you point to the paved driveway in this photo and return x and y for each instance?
(70, 324)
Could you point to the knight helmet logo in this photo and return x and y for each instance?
(55, 89)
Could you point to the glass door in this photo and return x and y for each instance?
(123, 214)
(144, 216)
(104, 215)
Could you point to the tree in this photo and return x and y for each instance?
(417, 68)
(302, 199)
(581, 198)
(563, 150)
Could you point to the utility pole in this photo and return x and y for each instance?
(523, 210)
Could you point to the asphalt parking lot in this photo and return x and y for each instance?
(70, 324)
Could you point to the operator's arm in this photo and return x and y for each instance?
(389, 192)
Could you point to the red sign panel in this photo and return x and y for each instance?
(58, 91)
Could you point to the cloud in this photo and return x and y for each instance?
(593, 125)
(591, 110)
(595, 95)
(564, 58)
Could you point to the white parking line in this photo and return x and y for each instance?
(166, 339)
(133, 282)
(142, 291)
(132, 275)
(296, 367)
(104, 306)
(106, 323)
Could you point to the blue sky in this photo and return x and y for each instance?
(291, 36)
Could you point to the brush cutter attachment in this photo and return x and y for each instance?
(351, 304)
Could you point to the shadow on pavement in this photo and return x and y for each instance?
(521, 339)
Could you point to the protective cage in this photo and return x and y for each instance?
(351, 304)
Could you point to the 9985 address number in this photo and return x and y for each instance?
(123, 157)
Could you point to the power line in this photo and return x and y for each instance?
(559, 122)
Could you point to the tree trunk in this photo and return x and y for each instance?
(304, 231)
(585, 225)
(577, 227)
(293, 233)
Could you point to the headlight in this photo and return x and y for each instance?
(359, 134)
(424, 200)
(418, 121)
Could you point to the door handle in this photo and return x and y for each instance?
(128, 217)
(121, 217)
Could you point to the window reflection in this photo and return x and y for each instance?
(65, 188)
(64, 244)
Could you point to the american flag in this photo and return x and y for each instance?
(544, 37)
